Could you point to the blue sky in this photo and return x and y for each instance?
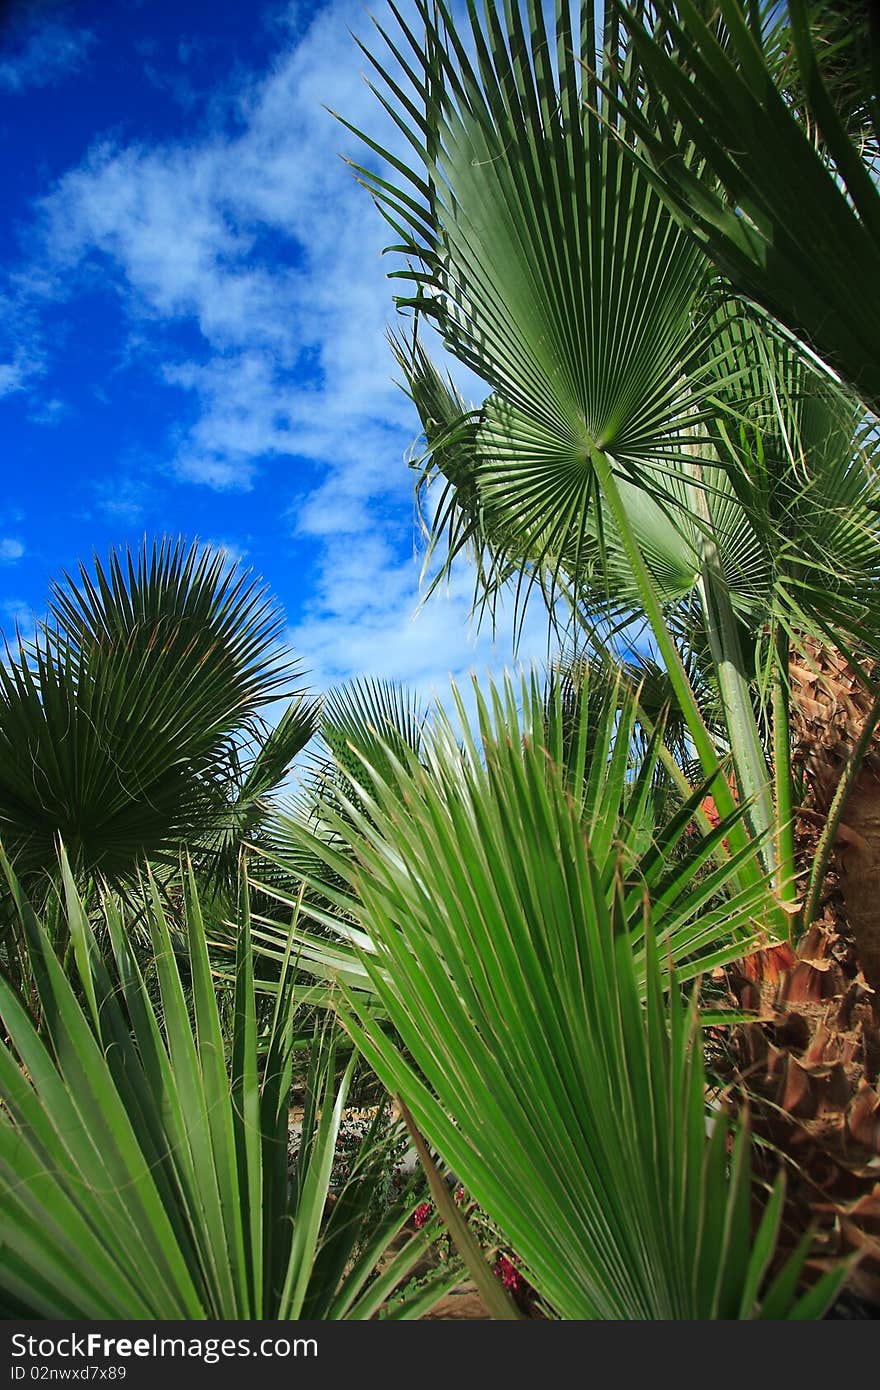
(192, 315)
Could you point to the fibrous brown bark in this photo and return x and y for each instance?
(831, 705)
(809, 1067)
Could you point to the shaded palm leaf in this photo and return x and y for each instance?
(246, 787)
(794, 225)
(115, 720)
(144, 1173)
(372, 719)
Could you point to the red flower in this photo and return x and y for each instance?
(422, 1215)
(460, 1195)
(507, 1272)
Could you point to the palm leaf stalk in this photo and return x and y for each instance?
(783, 785)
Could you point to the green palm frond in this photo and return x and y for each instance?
(794, 222)
(367, 717)
(800, 469)
(144, 1162)
(363, 719)
(508, 219)
(536, 239)
(195, 607)
(516, 931)
(580, 742)
(116, 720)
(460, 519)
(246, 786)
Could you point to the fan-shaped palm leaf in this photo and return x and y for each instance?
(540, 250)
(115, 720)
(508, 939)
(548, 263)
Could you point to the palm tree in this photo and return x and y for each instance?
(815, 96)
(651, 443)
(132, 723)
(783, 130)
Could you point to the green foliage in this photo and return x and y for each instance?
(539, 1037)
(547, 262)
(364, 718)
(579, 753)
(730, 143)
(503, 915)
(651, 448)
(144, 1151)
(119, 722)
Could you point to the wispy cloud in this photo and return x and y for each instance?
(12, 377)
(123, 498)
(17, 619)
(22, 357)
(11, 549)
(38, 50)
(261, 239)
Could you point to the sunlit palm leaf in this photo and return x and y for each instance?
(582, 759)
(548, 263)
(506, 945)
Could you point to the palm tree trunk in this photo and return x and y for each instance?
(810, 1065)
(834, 725)
(860, 873)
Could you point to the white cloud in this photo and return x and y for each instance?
(11, 549)
(48, 412)
(21, 355)
(12, 378)
(294, 354)
(17, 620)
(366, 620)
(121, 498)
